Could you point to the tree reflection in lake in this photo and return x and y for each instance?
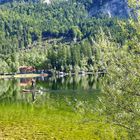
(58, 88)
(69, 83)
(9, 90)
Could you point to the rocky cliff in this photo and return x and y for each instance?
(111, 8)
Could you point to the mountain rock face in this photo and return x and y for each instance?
(111, 8)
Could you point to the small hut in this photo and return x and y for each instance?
(27, 69)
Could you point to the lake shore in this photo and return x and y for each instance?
(61, 74)
(30, 75)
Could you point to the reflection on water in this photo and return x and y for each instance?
(58, 89)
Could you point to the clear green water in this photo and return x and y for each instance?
(60, 89)
(56, 108)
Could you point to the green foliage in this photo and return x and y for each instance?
(120, 101)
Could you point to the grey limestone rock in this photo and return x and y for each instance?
(111, 8)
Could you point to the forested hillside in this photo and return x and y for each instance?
(63, 29)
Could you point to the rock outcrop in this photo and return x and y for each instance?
(111, 8)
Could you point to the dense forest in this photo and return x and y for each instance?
(58, 36)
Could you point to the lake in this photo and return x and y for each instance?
(55, 108)
(74, 88)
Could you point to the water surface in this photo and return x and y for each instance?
(55, 108)
(61, 90)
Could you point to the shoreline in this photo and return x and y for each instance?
(30, 75)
